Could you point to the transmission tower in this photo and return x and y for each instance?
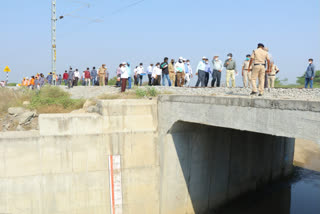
(53, 36)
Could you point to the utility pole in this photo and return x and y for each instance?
(53, 36)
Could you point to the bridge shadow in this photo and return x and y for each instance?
(214, 165)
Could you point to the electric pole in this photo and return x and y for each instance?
(53, 36)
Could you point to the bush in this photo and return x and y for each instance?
(141, 93)
(152, 92)
(12, 98)
(50, 99)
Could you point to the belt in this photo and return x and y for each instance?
(272, 75)
(259, 64)
(246, 69)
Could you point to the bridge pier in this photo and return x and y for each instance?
(203, 167)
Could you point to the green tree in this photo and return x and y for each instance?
(301, 79)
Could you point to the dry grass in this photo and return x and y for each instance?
(10, 98)
(125, 95)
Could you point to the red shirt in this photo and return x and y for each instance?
(65, 76)
(87, 74)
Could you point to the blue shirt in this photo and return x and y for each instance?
(186, 69)
(208, 68)
(129, 71)
(310, 71)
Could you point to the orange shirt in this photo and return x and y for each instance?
(31, 82)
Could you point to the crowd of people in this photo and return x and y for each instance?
(258, 65)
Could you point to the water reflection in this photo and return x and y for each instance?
(299, 194)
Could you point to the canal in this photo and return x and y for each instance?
(297, 194)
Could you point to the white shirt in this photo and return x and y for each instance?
(140, 70)
(77, 74)
(156, 72)
(150, 69)
(124, 72)
(179, 67)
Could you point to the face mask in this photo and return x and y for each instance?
(248, 59)
(217, 59)
(188, 63)
(310, 62)
(229, 57)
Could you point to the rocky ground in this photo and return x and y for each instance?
(19, 119)
(294, 94)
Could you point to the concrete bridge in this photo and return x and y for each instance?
(179, 154)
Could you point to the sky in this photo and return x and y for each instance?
(95, 32)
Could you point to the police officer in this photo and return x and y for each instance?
(272, 75)
(259, 56)
(245, 74)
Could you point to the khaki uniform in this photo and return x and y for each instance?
(259, 56)
(102, 76)
(172, 74)
(231, 75)
(272, 76)
(246, 75)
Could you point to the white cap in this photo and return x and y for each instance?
(204, 57)
(181, 58)
(124, 63)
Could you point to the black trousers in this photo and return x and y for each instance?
(216, 77)
(206, 79)
(150, 79)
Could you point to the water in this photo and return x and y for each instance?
(299, 194)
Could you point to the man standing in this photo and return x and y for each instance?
(172, 73)
(179, 68)
(310, 73)
(129, 75)
(149, 72)
(165, 71)
(76, 77)
(65, 78)
(207, 74)
(259, 56)
(246, 76)
(216, 71)
(140, 72)
(188, 73)
(87, 77)
(124, 76)
(201, 72)
(272, 75)
(230, 66)
(70, 78)
(102, 75)
(93, 75)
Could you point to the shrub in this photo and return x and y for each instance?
(141, 93)
(50, 98)
(152, 92)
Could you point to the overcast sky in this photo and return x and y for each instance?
(112, 31)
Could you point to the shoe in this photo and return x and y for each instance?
(260, 95)
(253, 93)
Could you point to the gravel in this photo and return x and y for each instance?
(292, 94)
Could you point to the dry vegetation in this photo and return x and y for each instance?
(47, 100)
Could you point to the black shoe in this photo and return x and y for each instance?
(260, 95)
(253, 93)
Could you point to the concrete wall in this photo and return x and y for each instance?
(203, 167)
(63, 168)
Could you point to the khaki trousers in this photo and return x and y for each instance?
(271, 80)
(258, 72)
(179, 79)
(172, 77)
(246, 79)
(231, 74)
(102, 80)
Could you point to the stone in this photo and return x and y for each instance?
(92, 109)
(26, 103)
(19, 128)
(26, 117)
(16, 110)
